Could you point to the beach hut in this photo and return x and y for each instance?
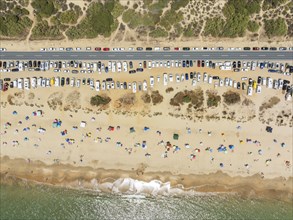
(132, 130)
(83, 124)
(175, 136)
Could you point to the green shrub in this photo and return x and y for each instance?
(42, 30)
(177, 4)
(99, 100)
(45, 8)
(170, 18)
(252, 26)
(276, 27)
(158, 32)
(69, 17)
(117, 10)
(231, 97)
(214, 27)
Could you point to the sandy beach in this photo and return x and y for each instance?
(258, 160)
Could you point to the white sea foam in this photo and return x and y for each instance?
(128, 186)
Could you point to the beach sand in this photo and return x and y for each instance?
(46, 157)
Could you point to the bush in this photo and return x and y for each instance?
(117, 10)
(42, 30)
(158, 32)
(252, 26)
(276, 27)
(99, 100)
(177, 4)
(214, 27)
(231, 98)
(44, 7)
(213, 100)
(97, 22)
(69, 17)
(14, 26)
(170, 18)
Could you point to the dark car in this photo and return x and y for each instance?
(67, 81)
(62, 81)
(79, 65)
(264, 48)
(234, 64)
(106, 49)
(59, 65)
(35, 63)
(183, 63)
(216, 77)
(106, 69)
(220, 48)
(5, 87)
(39, 64)
(11, 85)
(176, 48)
(130, 65)
(88, 81)
(7, 79)
(198, 63)
(243, 86)
(210, 63)
(238, 85)
(14, 70)
(202, 63)
(246, 48)
(186, 76)
(187, 63)
(139, 48)
(83, 81)
(109, 79)
(166, 48)
(186, 48)
(125, 85)
(132, 71)
(0, 64)
(255, 48)
(191, 63)
(149, 48)
(250, 81)
(259, 80)
(30, 64)
(139, 70)
(273, 48)
(98, 49)
(99, 64)
(144, 64)
(239, 64)
(191, 75)
(4, 64)
(213, 65)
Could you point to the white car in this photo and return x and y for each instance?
(182, 77)
(226, 81)
(198, 77)
(264, 81)
(72, 82)
(171, 77)
(177, 78)
(97, 85)
(20, 83)
(152, 81)
(26, 83)
(275, 84)
(129, 86)
(113, 66)
(249, 90)
(234, 84)
(44, 82)
(205, 77)
(108, 86)
(149, 65)
(57, 81)
(281, 83)
(269, 83)
(34, 82)
(210, 80)
(144, 85)
(39, 81)
(158, 79)
(125, 66)
(165, 76)
(77, 84)
(110, 66)
(131, 49)
(119, 66)
(230, 82)
(193, 82)
(112, 85)
(92, 84)
(134, 87)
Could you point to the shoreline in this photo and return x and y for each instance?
(89, 178)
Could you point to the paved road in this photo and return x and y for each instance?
(150, 55)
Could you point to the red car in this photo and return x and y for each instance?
(106, 49)
(198, 63)
(97, 49)
(255, 48)
(5, 87)
(176, 48)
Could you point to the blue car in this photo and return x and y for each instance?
(186, 76)
(261, 65)
(183, 63)
(106, 69)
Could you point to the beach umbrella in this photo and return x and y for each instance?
(231, 147)
(14, 112)
(221, 165)
(175, 136)
(146, 128)
(27, 118)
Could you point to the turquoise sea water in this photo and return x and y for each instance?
(44, 202)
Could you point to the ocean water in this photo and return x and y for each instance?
(47, 202)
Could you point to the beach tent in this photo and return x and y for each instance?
(110, 128)
(175, 136)
(82, 124)
(146, 128)
(269, 129)
(132, 130)
(231, 147)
